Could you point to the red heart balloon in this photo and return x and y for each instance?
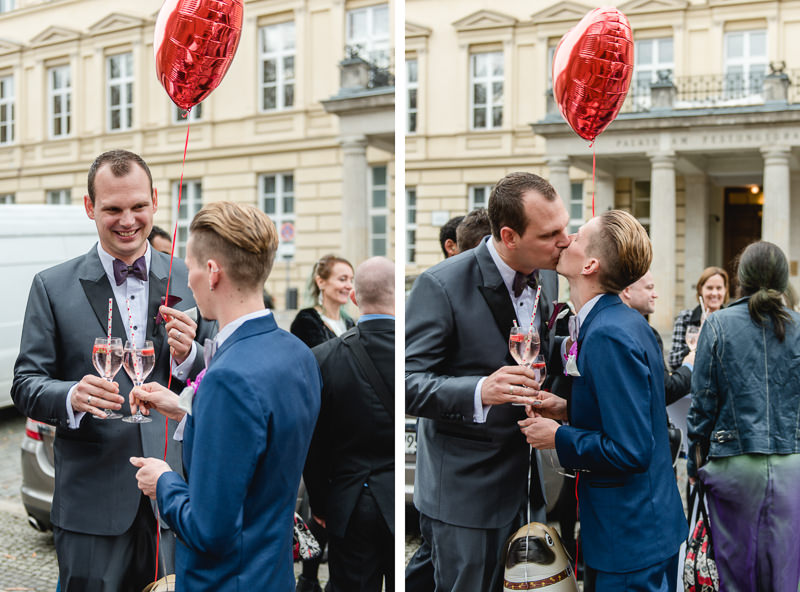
(592, 71)
(194, 44)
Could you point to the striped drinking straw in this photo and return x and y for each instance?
(133, 341)
(108, 339)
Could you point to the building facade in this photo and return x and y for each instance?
(77, 77)
(704, 151)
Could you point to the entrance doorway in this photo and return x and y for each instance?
(743, 213)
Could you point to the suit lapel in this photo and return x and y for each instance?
(494, 291)
(605, 301)
(97, 288)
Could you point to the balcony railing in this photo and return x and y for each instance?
(710, 91)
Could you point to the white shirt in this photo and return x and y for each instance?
(523, 308)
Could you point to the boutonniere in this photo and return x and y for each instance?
(560, 310)
(187, 395)
(571, 367)
(169, 301)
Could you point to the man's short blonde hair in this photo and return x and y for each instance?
(623, 248)
(242, 237)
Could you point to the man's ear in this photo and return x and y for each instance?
(353, 297)
(592, 266)
(87, 203)
(451, 247)
(509, 237)
(155, 200)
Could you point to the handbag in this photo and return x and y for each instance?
(699, 568)
(306, 546)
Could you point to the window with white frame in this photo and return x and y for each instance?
(183, 116)
(575, 207)
(60, 90)
(641, 203)
(7, 198)
(277, 56)
(486, 96)
(120, 91)
(368, 33)
(191, 198)
(479, 196)
(378, 212)
(277, 201)
(6, 5)
(651, 56)
(411, 102)
(411, 224)
(745, 63)
(58, 197)
(6, 110)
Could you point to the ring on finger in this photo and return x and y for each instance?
(89, 400)
(511, 392)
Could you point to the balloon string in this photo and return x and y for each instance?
(577, 509)
(594, 181)
(166, 301)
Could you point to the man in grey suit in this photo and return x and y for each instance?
(105, 529)
(472, 460)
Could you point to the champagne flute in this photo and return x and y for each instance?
(692, 334)
(523, 346)
(539, 368)
(138, 363)
(107, 360)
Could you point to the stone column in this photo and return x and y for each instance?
(603, 192)
(559, 177)
(355, 201)
(662, 233)
(696, 241)
(777, 197)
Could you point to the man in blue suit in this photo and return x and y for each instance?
(249, 423)
(632, 521)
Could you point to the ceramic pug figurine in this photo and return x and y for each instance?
(536, 560)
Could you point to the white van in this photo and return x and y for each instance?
(32, 238)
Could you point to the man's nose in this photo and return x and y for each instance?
(127, 218)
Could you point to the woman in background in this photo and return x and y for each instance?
(744, 419)
(712, 287)
(331, 283)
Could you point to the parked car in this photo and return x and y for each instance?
(38, 473)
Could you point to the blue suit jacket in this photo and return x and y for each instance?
(630, 508)
(244, 449)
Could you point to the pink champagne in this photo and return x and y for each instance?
(539, 372)
(100, 355)
(522, 349)
(145, 360)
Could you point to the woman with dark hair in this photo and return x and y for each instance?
(744, 419)
(712, 287)
(331, 283)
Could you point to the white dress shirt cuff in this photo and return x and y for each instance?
(181, 372)
(178, 435)
(479, 411)
(73, 417)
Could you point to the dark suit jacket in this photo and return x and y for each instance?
(354, 439)
(311, 329)
(458, 317)
(630, 509)
(243, 451)
(676, 384)
(67, 309)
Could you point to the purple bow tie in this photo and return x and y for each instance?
(122, 270)
(521, 280)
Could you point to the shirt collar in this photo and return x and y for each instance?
(587, 308)
(374, 316)
(505, 270)
(107, 261)
(228, 329)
